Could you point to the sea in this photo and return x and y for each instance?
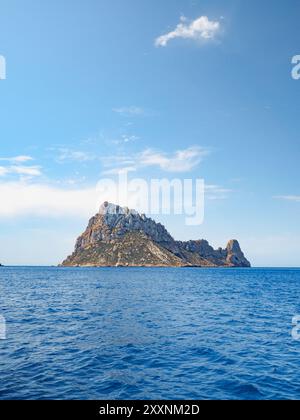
(155, 333)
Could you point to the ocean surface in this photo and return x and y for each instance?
(149, 333)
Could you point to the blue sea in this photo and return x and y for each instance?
(149, 333)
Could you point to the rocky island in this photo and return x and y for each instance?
(119, 237)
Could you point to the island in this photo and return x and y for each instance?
(119, 237)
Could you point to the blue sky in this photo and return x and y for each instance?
(92, 86)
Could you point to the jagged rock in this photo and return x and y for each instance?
(235, 255)
(134, 249)
(118, 236)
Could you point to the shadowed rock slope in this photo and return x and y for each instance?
(118, 236)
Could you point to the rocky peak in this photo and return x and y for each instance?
(118, 235)
(232, 255)
(107, 209)
(201, 247)
(233, 247)
(114, 222)
(235, 255)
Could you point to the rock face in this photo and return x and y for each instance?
(117, 236)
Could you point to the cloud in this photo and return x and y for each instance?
(201, 29)
(26, 199)
(16, 166)
(179, 161)
(294, 198)
(131, 111)
(17, 159)
(23, 199)
(34, 199)
(25, 170)
(74, 155)
(3, 171)
(129, 138)
(118, 162)
(125, 139)
(216, 192)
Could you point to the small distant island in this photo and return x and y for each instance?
(119, 237)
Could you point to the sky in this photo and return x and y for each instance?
(188, 89)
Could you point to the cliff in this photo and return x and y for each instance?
(118, 236)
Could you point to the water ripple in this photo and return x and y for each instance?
(149, 334)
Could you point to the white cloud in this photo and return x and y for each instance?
(119, 162)
(25, 196)
(21, 170)
(125, 139)
(25, 170)
(3, 171)
(16, 166)
(74, 155)
(19, 199)
(294, 198)
(180, 161)
(129, 138)
(23, 199)
(130, 111)
(17, 159)
(200, 29)
(21, 159)
(216, 192)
